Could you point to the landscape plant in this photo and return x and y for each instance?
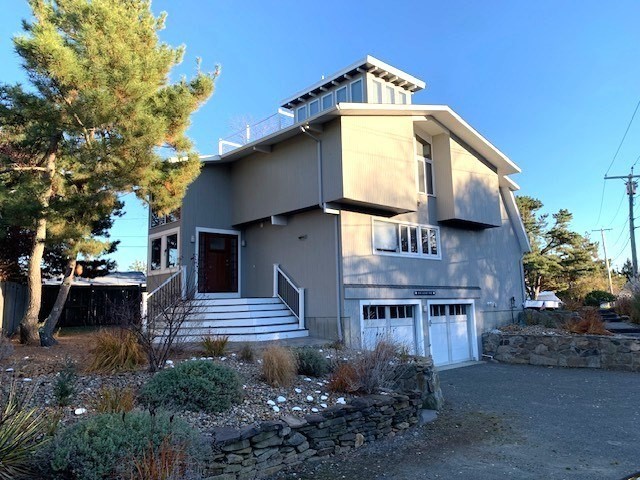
(116, 350)
(597, 297)
(64, 386)
(24, 430)
(115, 400)
(589, 323)
(311, 362)
(247, 353)
(215, 346)
(198, 385)
(279, 366)
(109, 445)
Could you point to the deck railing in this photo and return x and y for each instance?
(290, 294)
(251, 132)
(166, 294)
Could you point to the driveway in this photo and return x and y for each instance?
(510, 422)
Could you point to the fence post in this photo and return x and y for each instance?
(275, 279)
(301, 321)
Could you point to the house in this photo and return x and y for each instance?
(361, 214)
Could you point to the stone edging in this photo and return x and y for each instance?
(588, 351)
(263, 450)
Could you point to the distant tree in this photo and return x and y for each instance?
(99, 108)
(627, 269)
(138, 266)
(559, 256)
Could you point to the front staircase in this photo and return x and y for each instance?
(241, 319)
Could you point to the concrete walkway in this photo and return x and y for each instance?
(511, 422)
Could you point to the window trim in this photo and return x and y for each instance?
(420, 226)
(330, 95)
(350, 90)
(303, 107)
(425, 160)
(346, 89)
(315, 100)
(163, 252)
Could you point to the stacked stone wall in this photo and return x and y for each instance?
(586, 351)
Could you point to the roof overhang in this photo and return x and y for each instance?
(368, 64)
(442, 115)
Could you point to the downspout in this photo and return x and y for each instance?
(305, 129)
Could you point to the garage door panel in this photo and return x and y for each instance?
(439, 343)
(460, 344)
(392, 323)
(449, 330)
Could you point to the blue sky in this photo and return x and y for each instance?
(553, 84)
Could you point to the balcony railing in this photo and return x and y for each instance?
(250, 133)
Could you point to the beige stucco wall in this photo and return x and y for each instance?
(378, 162)
(305, 249)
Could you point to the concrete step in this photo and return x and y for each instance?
(238, 301)
(246, 315)
(248, 336)
(206, 322)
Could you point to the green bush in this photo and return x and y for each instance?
(196, 386)
(64, 386)
(595, 298)
(108, 445)
(311, 362)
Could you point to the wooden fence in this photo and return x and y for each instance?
(13, 302)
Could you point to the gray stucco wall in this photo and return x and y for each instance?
(305, 249)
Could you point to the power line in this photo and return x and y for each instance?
(604, 184)
(623, 137)
(621, 251)
(621, 232)
(618, 209)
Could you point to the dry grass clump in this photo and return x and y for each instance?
(372, 371)
(215, 346)
(115, 400)
(589, 323)
(247, 354)
(116, 351)
(279, 366)
(165, 462)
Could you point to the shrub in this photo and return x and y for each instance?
(279, 367)
(590, 323)
(624, 306)
(116, 351)
(344, 379)
(165, 462)
(115, 400)
(247, 353)
(65, 385)
(311, 362)
(23, 431)
(215, 346)
(109, 445)
(196, 386)
(596, 297)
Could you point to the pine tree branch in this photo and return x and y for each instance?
(20, 168)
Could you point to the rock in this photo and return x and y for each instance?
(323, 397)
(169, 362)
(276, 408)
(296, 409)
(307, 379)
(427, 416)
(294, 422)
(309, 398)
(297, 390)
(80, 411)
(27, 379)
(315, 410)
(341, 401)
(281, 399)
(323, 405)
(9, 370)
(359, 440)
(271, 402)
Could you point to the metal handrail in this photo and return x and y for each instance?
(291, 295)
(167, 291)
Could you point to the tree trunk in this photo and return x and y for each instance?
(46, 333)
(29, 323)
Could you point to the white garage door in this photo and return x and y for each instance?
(389, 322)
(450, 333)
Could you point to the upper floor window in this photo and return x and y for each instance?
(356, 92)
(314, 107)
(341, 94)
(391, 95)
(402, 97)
(377, 92)
(425, 166)
(301, 113)
(327, 101)
(394, 238)
(157, 220)
(163, 251)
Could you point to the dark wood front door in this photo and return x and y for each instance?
(217, 263)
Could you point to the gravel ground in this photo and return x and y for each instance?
(510, 422)
(260, 401)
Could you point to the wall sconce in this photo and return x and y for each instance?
(302, 237)
(243, 243)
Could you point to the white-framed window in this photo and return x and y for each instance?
(314, 107)
(341, 94)
(402, 97)
(327, 101)
(406, 239)
(357, 95)
(301, 113)
(159, 220)
(391, 94)
(377, 92)
(425, 166)
(164, 251)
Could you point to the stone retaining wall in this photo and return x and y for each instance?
(263, 450)
(589, 351)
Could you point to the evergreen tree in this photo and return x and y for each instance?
(559, 256)
(93, 122)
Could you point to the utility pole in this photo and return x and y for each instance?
(606, 259)
(631, 190)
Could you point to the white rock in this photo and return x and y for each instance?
(27, 379)
(309, 398)
(307, 379)
(209, 358)
(315, 410)
(259, 362)
(323, 397)
(297, 390)
(193, 359)
(26, 358)
(9, 370)
(271, 402)
(233, 354)
(203, 358)
(276, 408)
(327, 356)
(281, 399)
(80, 411)
(296, 409)
(222, 359)
(320, 350)
(244, 387)
(319, 383)
(341, 401)
(323, 405)
(169, 362)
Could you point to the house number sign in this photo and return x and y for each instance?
(424, 292)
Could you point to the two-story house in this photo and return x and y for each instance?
(362, 215)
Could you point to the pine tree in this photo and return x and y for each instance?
(97, 117)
